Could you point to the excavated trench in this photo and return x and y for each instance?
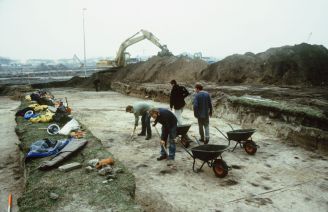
(296, 116)
(253, 182)
(302, 127)
(278, 175)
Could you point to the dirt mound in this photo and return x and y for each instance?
(15, 91)
(301, 64)
(105, 78)
(73, 82)
(162, 69)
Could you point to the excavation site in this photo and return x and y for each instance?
(230, 127)
(289, 122)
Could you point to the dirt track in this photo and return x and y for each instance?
(279, 177)
(11, 180)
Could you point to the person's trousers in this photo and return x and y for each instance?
(145, 124)
(203, 124)
(171, 132)
(97, 87)
(178, 115)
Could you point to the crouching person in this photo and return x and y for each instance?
(169, 126)
(141, 109)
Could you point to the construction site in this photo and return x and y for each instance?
(70, 143)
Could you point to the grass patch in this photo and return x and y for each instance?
(77, 189)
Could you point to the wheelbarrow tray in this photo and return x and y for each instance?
(183, 129)
(240, 135)
(208, 152)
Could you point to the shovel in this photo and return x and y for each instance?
(161, 144)
(132, 134)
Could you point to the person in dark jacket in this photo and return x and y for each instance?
(96, 83)
(178, 93)
(169, 126)
(202, 111)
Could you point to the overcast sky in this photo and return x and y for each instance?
(53, 29)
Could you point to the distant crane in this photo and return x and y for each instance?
(77, 60)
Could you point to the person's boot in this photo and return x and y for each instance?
(148, 137)
(162, 157)
(141, 134)
(206, 141)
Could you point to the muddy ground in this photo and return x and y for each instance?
(280, 177)
(11, 179)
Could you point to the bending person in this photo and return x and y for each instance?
(169, 127)
(141, 109)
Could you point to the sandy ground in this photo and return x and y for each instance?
(11, 179)
(280, 177)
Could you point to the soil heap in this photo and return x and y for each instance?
(302, 64)
(162, 69)
(299, 65)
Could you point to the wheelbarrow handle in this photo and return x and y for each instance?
(222, 133)
(186, 148)
(196, 140)
(230, 126)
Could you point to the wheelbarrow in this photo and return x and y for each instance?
(241, 137)
(210, 154)
(182, 136)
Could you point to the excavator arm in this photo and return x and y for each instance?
(120, 57)
(77, 60)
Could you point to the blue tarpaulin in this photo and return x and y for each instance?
(46, 147)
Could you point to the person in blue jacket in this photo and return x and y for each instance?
(169, 127)
(202, 111)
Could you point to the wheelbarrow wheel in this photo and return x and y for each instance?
(220, 168)
(250, 147)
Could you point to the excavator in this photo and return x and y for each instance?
(77, 60)
(121, 57)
